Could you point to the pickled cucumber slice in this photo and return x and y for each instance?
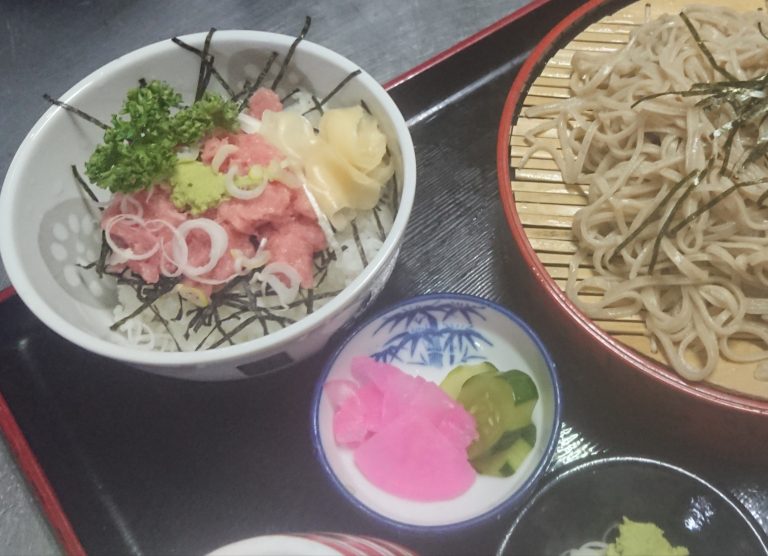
(491, 464)
(523, 385)
(528, 433)
(505, 462)
(502, 405)
(526, 396)
(517, 453)
(454, 380)
(488, 399)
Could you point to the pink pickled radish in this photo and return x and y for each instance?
(410, 438)
(411, 458)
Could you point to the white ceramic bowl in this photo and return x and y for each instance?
(497, 336)
(312, 544)
(40, 203)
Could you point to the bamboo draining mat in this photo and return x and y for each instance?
(546, 205)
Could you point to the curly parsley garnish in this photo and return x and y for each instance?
(139, 147)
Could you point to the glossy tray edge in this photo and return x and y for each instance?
(37, 480)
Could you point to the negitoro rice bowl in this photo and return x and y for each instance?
(272, 216)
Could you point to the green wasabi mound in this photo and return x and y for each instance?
(642, 539)
(196, 187)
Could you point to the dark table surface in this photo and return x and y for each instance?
(149, 465)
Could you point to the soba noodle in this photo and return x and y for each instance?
(649, 165)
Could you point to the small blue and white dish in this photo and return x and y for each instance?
(428, 336)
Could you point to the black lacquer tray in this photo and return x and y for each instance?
(147, 465)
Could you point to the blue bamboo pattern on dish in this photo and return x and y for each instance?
(431, 335)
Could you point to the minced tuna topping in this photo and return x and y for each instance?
(265, 211)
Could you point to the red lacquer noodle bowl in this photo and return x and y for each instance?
(706, 411)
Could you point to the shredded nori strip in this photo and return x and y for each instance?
(99, 264)
(727, 147)
(76, 111)
(142, 83)
(382, 233)
(104, 252)
(206, 65)
(221, 330)
(359, 244)
(340, 86)
(205, 316)
(289, 95)
(703, 47)
(668, 222)
(759, 150)
(722, 90)
(317, 105)
(714, 201)
(283, 321)
(291, 50)
(84, 185)
(335, 90)
(264, 327)
(199, 346)
(263, 75)
(252, 299)
(214, 329)
(147, 293)
(180, 312)
(395, 193)
(165, 324)
(309, 299)
(321, 268)
(241, 94)
(230, 91)
(654, 213)
(251, 88)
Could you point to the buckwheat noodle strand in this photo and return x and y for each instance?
(678, 163)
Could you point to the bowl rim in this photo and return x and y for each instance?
(598, 462)
(312, 538)
(602, 340)
(512, 501)
(11, 191)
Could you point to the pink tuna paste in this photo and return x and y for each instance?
(409, 437)
(282, 215)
